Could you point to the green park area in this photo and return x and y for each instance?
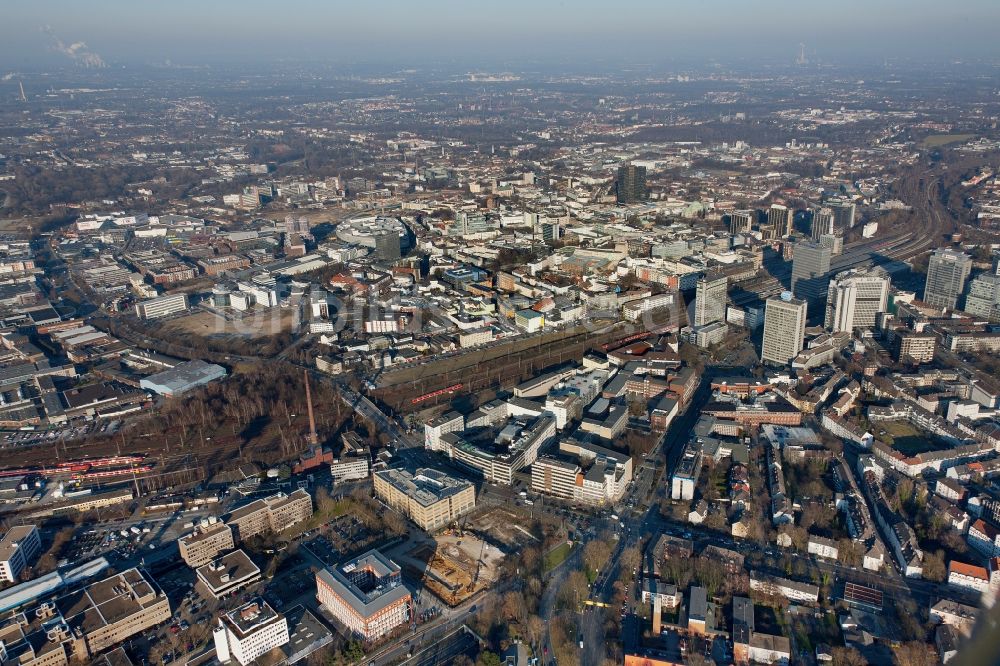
(907, 438)
(556, 556)
(939, 140)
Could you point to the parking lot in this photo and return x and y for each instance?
(115, 544)
(20, 438)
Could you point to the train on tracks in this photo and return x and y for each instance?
(86, 469)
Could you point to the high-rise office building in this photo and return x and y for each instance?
(983, 299)
(822, 223)
(710, 299)
(810, 270)
(784, 328)
(741, 221)
(843, 213)
(297, 225)
(630, 187)
(833, 241)
(855, 298)
(779, 218)
(947, 271)
(387, 245)
(551, 231)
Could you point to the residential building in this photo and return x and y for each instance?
(912, 347)
(429, 498)
(700, 612)
(685, 477)
(968, 576)
(790, 589)
(743, 626)
(947, 640)
(984, 538)
(769, 649)
(366, 595)
(822, 547)
(955, 614)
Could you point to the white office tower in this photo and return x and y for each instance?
(249, 632)
(983, 299)
(833, 241)
(947, 271)
(710, 299)
(784, 328)
(822, 223)
(810, 270)
(741, 221)
(779, 218)
(855, 298)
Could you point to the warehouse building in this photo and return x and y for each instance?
(182, 378)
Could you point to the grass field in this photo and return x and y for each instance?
(939, 140)
(556, 556)
(908, 439)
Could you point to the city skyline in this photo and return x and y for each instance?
(399, 33)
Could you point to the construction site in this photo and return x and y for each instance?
(453, 567)
(504, 526)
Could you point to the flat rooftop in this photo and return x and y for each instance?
(426, 486)
(229, 569)
(251, 616)
(380, 592)
(206, 532)
(109, 601)
(11, 539)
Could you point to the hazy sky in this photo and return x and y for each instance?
(474, 31)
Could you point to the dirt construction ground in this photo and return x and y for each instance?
(447, 566)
